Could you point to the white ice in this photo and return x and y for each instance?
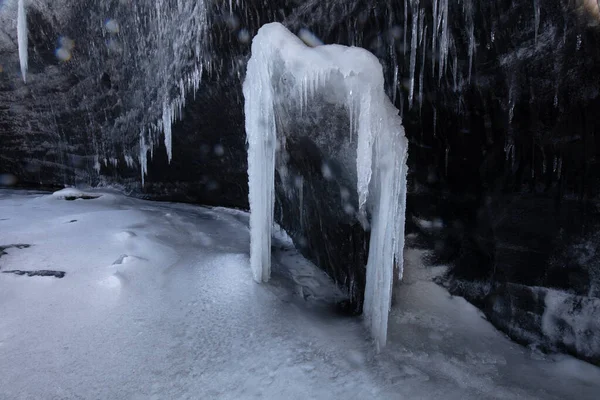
(380, 153)
(167, 120)
(158, 303)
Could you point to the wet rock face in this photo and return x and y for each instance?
(521, 248)
(209, 164)
(548, 318)
(499, 101)
(315, 206)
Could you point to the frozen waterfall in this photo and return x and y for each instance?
(22, 38)
(281, 68)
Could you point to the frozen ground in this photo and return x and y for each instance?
(158, 302)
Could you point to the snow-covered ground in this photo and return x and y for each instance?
(158, 302)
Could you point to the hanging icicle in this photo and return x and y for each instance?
(22, 38)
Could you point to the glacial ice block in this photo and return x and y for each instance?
(287, 78)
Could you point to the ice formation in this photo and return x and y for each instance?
(413, 51)
(167, 118)
(536, 14)
(283, 67)
(143, 289)
(22, 38)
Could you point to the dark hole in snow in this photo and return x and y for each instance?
(10, 246)
(346, 308)
(84, 197)
(42, 272)
(73, 220)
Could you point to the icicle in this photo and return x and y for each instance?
(446, 160)
(129, 161)
(301, 202)
(301, 93)
(167, 121)
(536, 13)
(395, 84)
(151, 139)
(351, 111)
(97, 165)
(471, 49)
(434, 33)
(387, 233)
(261, 139)
(413, 51)
(444, 38)
(514, 157)
(543, 162)
(507, 150)
(511, 104)
(305, 89)
(405, 24)
(143, 158)
(181, 94)
(422, 74)
(471, 31)
(455, 73)
(434, 122)
(22, 38)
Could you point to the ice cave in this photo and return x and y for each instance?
(292, 199)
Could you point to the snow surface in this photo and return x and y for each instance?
(283, 66)
(158, 303)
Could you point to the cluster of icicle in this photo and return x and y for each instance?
(441, 41)
(167, 44)
(177, 28)
(425, 30)
(381, 151)
(172, 110)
